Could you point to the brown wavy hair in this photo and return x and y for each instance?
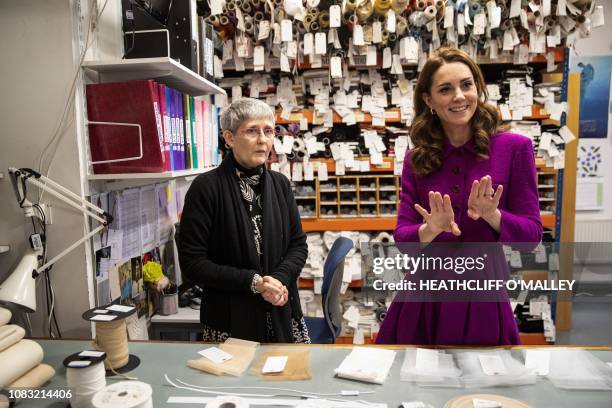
(426, 130)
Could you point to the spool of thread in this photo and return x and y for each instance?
(440, 4)
(301, 29)
(392, 38)
(299, 145)
(238, 3)
(224, 20)
(312, 3)
(125, 394)
(231, 7)
(111, 337)
(246, 8)
(314, 26)
(365, 10)
(420, 5)
(278, 3)
(385, 36)
(401, 25)
(9, 335)
(399, 5)
(506, 25)
(258, 16)
(34, 378)
(429, 13)
(384, 238)
(475, 8)
(324, 20)
(18, 359)
(255, 4)
(213, 20)
(349, 6)
(351, 21)
(5, 316)
(382, 6)
(279, 15)
(307, 22)
(249, 27)
(85, 382)
(228, 401)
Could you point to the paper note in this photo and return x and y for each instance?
(286, 30)
(91, 353)
(492, 364)
(120, 308)
(275, 364)
(103, 318)
(215, 355)
(335, 16)
(77, 363)
(538, 361)
(426, 360)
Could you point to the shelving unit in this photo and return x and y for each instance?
(163, 69)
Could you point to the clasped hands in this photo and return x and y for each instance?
(482, 203)
(272, 290)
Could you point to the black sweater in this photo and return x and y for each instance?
(217, 250)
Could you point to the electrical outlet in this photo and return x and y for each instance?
(48, 213)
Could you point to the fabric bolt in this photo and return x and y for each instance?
(217, 249)
(511, 163)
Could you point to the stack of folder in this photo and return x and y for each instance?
(179, 131)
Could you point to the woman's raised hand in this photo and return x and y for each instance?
(483, 200)
(442, 217)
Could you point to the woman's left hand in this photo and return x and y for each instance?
(483, 200)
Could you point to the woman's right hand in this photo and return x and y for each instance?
(442, 217)
(272, 290)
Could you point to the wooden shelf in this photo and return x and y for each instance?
(162, 69)
(349, 224)
(392, 115)
(386, 167)
(151, 176)
(374, 224)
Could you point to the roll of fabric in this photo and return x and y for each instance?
(9, 335)
(18, 360)
(382, 6)
(399, 5)
(5, 316)
(324, 20)
(34, 378)
(430, 13)
(349, 6)
(365, 10)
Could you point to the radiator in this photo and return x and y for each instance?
(594, 241)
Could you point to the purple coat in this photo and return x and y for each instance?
(511, 163)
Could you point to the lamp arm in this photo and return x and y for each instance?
(64, 194)
(57, 257)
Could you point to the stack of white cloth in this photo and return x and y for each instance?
(430, 368)
(367, 364)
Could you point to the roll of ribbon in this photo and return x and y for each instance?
(126, 394)
(18, 360)
(228, 401)
(214, 20)
(249, 27)
(34, 378)
(255, 4)
(5, 316)
(475, 8)
(314, 26)
(312, 3)
(246, 8)
(277, 3)
(9, 335)
(258, 16)
(111, 337)
(299, 145)
(420, 5)
(231, 7)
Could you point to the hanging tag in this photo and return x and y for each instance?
(335, 67)
(284, 63)
(286, 30)
(461, 24)
(371, 56)
(515, 8)
(320, 44)
(308, 170)
(240, 19)
(292, 49)
(449, 16)
(358, 35)
(298, 173)
(303, 123)
(277, 34)
(335, 16)
(322, 171)
(480, 23)
(308, 44)
(387, 58)
(258, 58)
(377, 32)
(391, 21)
(264, 30)
(228, 50)
(216, 7)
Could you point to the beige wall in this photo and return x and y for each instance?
(37, 69)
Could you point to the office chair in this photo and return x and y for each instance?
(327, 328)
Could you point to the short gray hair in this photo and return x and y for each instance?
(244, 109)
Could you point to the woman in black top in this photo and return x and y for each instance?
(241, 237)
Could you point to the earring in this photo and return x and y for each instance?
(227, 146)
(433, 112)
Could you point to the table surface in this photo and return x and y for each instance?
(159, 358)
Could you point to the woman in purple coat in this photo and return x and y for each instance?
(464, 181)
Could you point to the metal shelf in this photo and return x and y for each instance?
(163, 69)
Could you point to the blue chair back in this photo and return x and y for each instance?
(332, 281)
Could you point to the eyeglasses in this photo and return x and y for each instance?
(255, 132)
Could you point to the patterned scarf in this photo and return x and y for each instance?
(250, 188)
